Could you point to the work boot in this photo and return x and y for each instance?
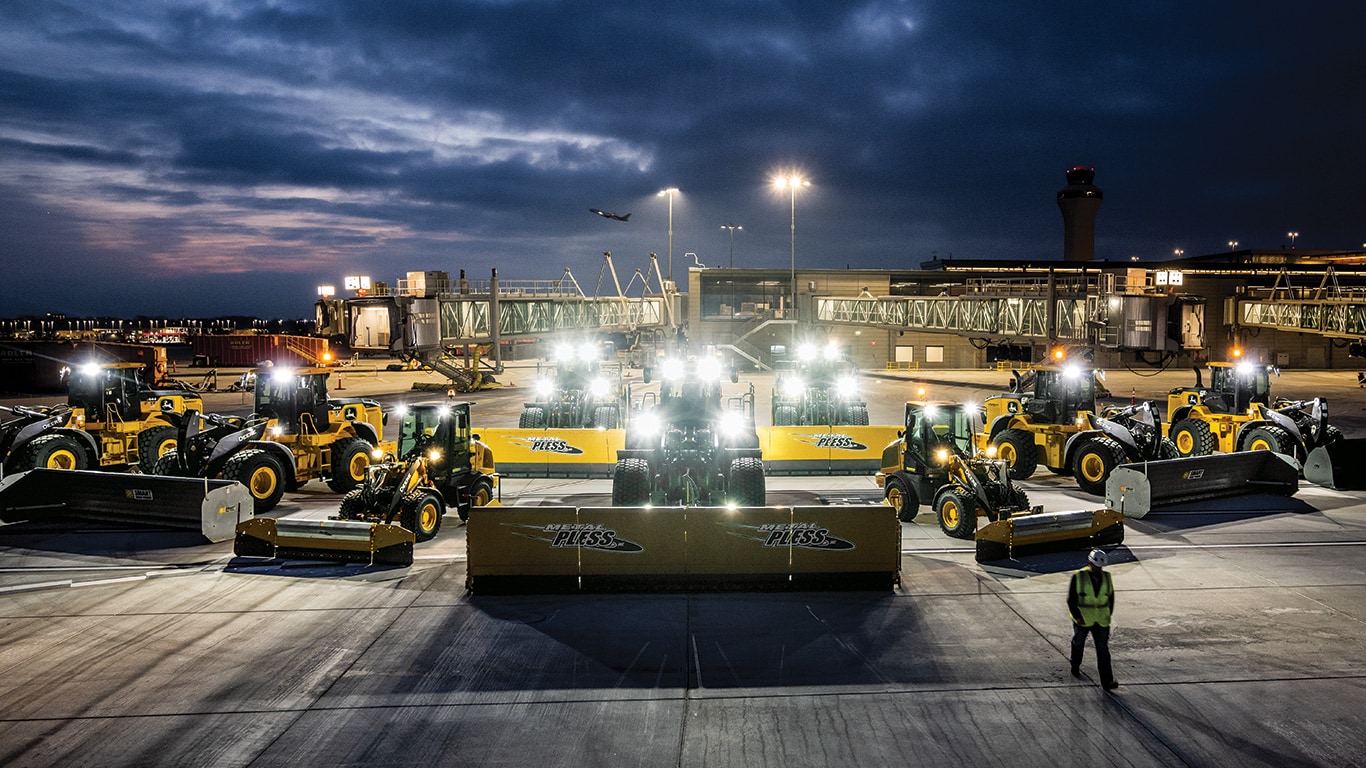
(1110, 686)
(1076, 671)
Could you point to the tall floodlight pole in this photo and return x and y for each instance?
(732, 228)
(670, 192)
(793, 183)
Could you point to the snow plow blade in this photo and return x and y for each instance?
(824, 450)
(555, 452)
(348, 541)
(1338, 465)
(212, 507)
(1137, 489)
(1029, 533)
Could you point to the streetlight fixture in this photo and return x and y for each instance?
(732, 228)
(1232, 245)
(792, 183)
(670, 192)
(1292, 236)
(1179, 253)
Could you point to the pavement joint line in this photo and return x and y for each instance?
(36, 587)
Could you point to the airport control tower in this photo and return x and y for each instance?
(1079, 201)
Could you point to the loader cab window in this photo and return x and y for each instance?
(1241, 389)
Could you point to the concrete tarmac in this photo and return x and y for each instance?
(1240, 627)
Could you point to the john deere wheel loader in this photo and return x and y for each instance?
(1122, 436)
(1032, 428)
(935, 463)
(822, 388)
(111, 421)
(688, 449)
(213, 446)
(437, 464)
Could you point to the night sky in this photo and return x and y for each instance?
(175, 157)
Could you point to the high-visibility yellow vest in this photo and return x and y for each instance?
(1094, 606)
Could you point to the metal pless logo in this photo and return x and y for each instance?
(801, 535)
(549, 445)
(1193, 474)
(588, 536)
(833, 440)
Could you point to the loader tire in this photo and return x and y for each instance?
(1094, 462)
(1017, 449)
(152, 443)
(786, 416)
(261, 473)
(1019, 499)
(631, 483)
(745, 484)
(900, 498)
(1166, 449)
(167, 464)
(606, 417)
(54, 452)
(422, 511)
(352, 505)
(531, 418)
(1269, 438)
(957, 513)
(350, 457)
(858, 415)
(481, 493)
(1192, 437)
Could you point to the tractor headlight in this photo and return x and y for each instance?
(846, 386)
(942, 455)
(648, 424)
(991, 451)
(793, 386)
(709, 369)
(401, 410)
(1071, 372)
(545, 387)
(377, 454)
(806, 352)
(671, 369)
(434, 456)
(598, 388)
(1244, 368)
(732, 424)
(277, 430)
(282, 375)
(588, 352)
(564, 353)
(832, 351)
(90, 369)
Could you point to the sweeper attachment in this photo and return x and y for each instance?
(1136, 489)
(212, 507)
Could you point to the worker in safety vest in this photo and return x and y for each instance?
(1091, 600)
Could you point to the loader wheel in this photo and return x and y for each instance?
(746, 482)
(54, 452)
(350, 457)
(1017, 449)
(1331, 434)
(352, 505)
(1192, 437)
(422, 511)
(606, 417)
(1166, 449)
(1019, 499)
(786, 416)
(900, 498)
(261, 473)
(1094, 462)
(153, 444)
(631, 483)
(1269, 438)
(481, 493)
(167, 464)
(531, 418)
(858, 415)
(957, 513)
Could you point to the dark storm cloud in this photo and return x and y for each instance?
(308, 138)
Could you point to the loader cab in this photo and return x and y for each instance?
(100, 389)
(1060, 394)
(295, 399)
(1236, 387)
(931, 426)
(445, 427)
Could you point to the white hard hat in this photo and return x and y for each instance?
(1098, 557)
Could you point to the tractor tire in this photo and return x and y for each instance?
(900, 498)
(54, 452)
(1017, 449)
(786, 416)
(606, 417)
(532, 418)
(152, 443)
(1019, 498)
(167, 464)
(957, 513)
(1268, 438)
(350, 457)
(1192, 438)
(631, 483)
(481, 493)
(352, 505)
(745, 485)
(261, 473)
(1093, 463)
(1166, 449)
(1331, 434)
(422, 511)
(858, 416)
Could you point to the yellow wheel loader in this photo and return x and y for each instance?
(438, 465)
(1029, 428)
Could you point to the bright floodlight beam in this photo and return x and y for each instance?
(671, 193)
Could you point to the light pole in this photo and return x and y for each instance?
(1292, 236)
(732, 228)
(792, 184)
(1179, 253)
(670, 192)
(1232, 245)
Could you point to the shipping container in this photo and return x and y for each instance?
(253, 349)
(37, 367)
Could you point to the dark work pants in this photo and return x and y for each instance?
(1102, 639)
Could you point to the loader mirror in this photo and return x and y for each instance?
(475, 436)
(646, 374)
(734, 375)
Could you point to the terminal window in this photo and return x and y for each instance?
(726, 297)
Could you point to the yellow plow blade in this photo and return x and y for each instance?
(1031, 533)
(341, 540)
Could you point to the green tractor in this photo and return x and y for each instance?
(822, 388)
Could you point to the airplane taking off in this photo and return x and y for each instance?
(607, 215)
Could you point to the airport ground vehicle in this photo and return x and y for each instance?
(437, 464)
(1236, 412)
(213, 446)
(1032, 428)
(582, 392)
(822, 388)
(1121, 436)
(935, 463)
(110, 421)
(689, 448)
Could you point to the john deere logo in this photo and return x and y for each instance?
(549, 445)
(1013, 406)
(802, 535)
(589, 536)
(833, 440)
